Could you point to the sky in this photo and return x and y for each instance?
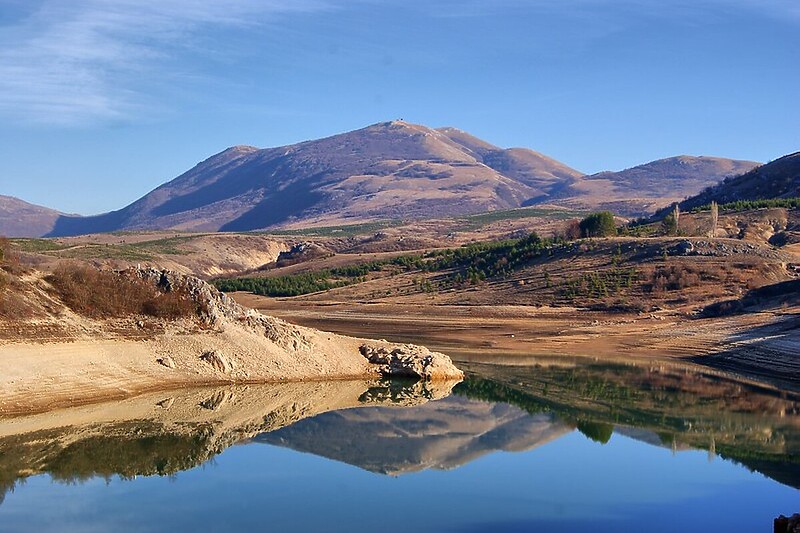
(103, 100)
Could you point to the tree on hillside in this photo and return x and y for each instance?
(714, 218)
(598, 225)
(676, 214)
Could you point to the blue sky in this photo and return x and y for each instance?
(101, 101)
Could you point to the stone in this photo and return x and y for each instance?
(682, 248)
(218, 361)
(166, 361)
(407, 360)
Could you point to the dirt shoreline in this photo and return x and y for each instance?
(763, 346)
(62, 358)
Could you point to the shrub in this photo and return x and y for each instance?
(673, 278)
(572, 230)
(598, 225)
(106, 294)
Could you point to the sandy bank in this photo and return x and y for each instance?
(91, 360)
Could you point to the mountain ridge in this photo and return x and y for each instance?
(386, 170)
(779, 178)
(644, 188)
(389, 170)
(19, 218)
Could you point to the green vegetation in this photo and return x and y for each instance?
(600, 284)
(293, 285)
(744, 205)
(472, 263)
(310, 282)
(599, 225)
(476, 262)
(596, 431)
(348, 230)
(481, 219)
(37, 245)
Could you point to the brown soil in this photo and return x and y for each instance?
(761, 345)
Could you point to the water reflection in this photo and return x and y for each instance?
(165, 433)
(441, 435)
(663, 405)
(402, 427)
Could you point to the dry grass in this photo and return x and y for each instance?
(13, 305)
(674, 278)
(106, 294)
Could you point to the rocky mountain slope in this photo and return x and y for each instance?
(21, 219)
(645, 188)
(778, 179)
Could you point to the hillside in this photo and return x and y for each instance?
(79, 334)
(385, 171)
(531, 168)
(778, 179)
(21, 219)
(644, 188)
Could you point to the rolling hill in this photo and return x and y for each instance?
(777, 179)
(21, 219)
(645, 188)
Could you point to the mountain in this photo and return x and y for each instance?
(392, 170)
(778, 179)
(384, 171)
(645, 188)
(536, 170)
(21, 219)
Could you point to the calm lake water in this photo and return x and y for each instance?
(541, 448)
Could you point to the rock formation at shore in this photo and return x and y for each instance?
(65, 357)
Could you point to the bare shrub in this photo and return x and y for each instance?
(571, 231)
(674, 278)
(102, 294)
(5, 249)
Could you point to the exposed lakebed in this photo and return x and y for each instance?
(550, 447)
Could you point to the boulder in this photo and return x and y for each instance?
(166, 361)
(410, 361)
(218, 361)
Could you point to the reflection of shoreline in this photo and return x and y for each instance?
(165, 433)
(750, 425)
(508, 408)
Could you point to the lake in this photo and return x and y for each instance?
(550, 446)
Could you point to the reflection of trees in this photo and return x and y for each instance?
(756, 427)
(597, 431)
(127, 450)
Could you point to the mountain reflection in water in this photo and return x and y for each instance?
(399, 427)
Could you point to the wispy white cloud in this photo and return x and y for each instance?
(80, 61)
(477, 8)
